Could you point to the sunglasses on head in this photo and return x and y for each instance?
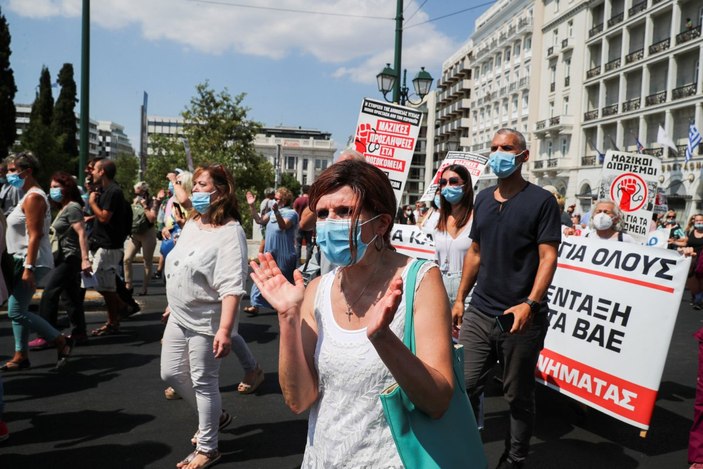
(452, 181)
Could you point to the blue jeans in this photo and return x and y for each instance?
(22, 319)
(484, 343)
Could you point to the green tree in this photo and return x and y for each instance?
(43, 106)
(167, 153)
(8, 128)
(127, 171)
(64, 122)
(290, 182)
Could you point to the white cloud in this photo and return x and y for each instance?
(360, 46)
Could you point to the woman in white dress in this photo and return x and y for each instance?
(341, 339)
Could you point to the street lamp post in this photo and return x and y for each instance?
(389, 78)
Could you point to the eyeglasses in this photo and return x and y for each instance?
(453, 181)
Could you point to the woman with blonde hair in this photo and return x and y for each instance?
(281, 224)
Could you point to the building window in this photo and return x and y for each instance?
(528, 43)
(555, 37)
(516, 50)
(305, 164)
(564, 147)
(507, 54)
(318, 164)
(551, 109)
(556, 6)
(290, 162)
(570, 28)
(549, 149)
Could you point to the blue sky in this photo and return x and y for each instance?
(306, 70)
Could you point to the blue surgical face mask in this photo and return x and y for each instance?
(698, 226)
(437, 201)
(15, 180)
(171, 188)
(503, 164)
(56, 194)
(333, 239)
(453, 194)
(201, 201)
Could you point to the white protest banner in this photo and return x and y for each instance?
(659, 238)
(386, 134)
(612, 308)
(631, 179)
(475, 163)
(412, 241)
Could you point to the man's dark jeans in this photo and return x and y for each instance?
(307, 236)
(484, 343)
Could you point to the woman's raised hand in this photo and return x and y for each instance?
(285, 297)
(382, 313)
(251, 198)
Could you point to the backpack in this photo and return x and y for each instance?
(140, 223)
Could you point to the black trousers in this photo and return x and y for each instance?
(64, 281)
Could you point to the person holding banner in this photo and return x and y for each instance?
(695, 276)
(516, 230)
(341, 342)
(451, 236)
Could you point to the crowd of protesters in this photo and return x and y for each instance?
(94, 236)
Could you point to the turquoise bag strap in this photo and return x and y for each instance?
(411, 281)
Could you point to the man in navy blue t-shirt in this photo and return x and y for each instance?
(516, 231)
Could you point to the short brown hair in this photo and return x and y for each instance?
(370, 185)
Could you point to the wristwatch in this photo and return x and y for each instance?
(534, 305)
(29, 267)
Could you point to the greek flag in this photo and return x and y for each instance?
(694, 139)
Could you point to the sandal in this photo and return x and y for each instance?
(225, 419)
(171, 394)
(64, 353)
(251, 309)
(248, 388)
(106, 329)
(16, 365)
(211, 458)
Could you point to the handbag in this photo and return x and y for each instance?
(452, 441)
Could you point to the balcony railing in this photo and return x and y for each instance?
(567, 81)
(595, 30)
(539, 164)
(588, 160)
(609, 110)
(612, 65)
(594, 72)
(550, 51)
(634, 56)
(541, 124)
(631, 105)
(565, 44)
(660, 46)
(656, 98)
(637, 8)
(683, 91)
(590, 115)
(513, 86)
(554, 121)
(616, 19)
(524, 82)
(552, 87)
(653, 151)
(552, 163)
(682, 149)
(688, 35)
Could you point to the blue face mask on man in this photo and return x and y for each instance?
(333, 239)
(453, 194)
(15, 180)
(503, 164)
(171, 189)
(201, 201)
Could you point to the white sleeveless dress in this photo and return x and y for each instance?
(346, 428)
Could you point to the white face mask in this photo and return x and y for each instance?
(602, 221)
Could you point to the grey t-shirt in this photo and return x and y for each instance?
(69, 215)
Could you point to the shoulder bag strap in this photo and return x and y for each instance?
(411, 280)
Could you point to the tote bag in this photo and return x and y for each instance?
(453, 441)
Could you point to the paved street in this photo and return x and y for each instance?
(107, 409)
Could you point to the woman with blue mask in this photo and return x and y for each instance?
(28, 243)
(281, 226)
(205, 283)
(71, 257)
(451, 235)
(341, 338)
